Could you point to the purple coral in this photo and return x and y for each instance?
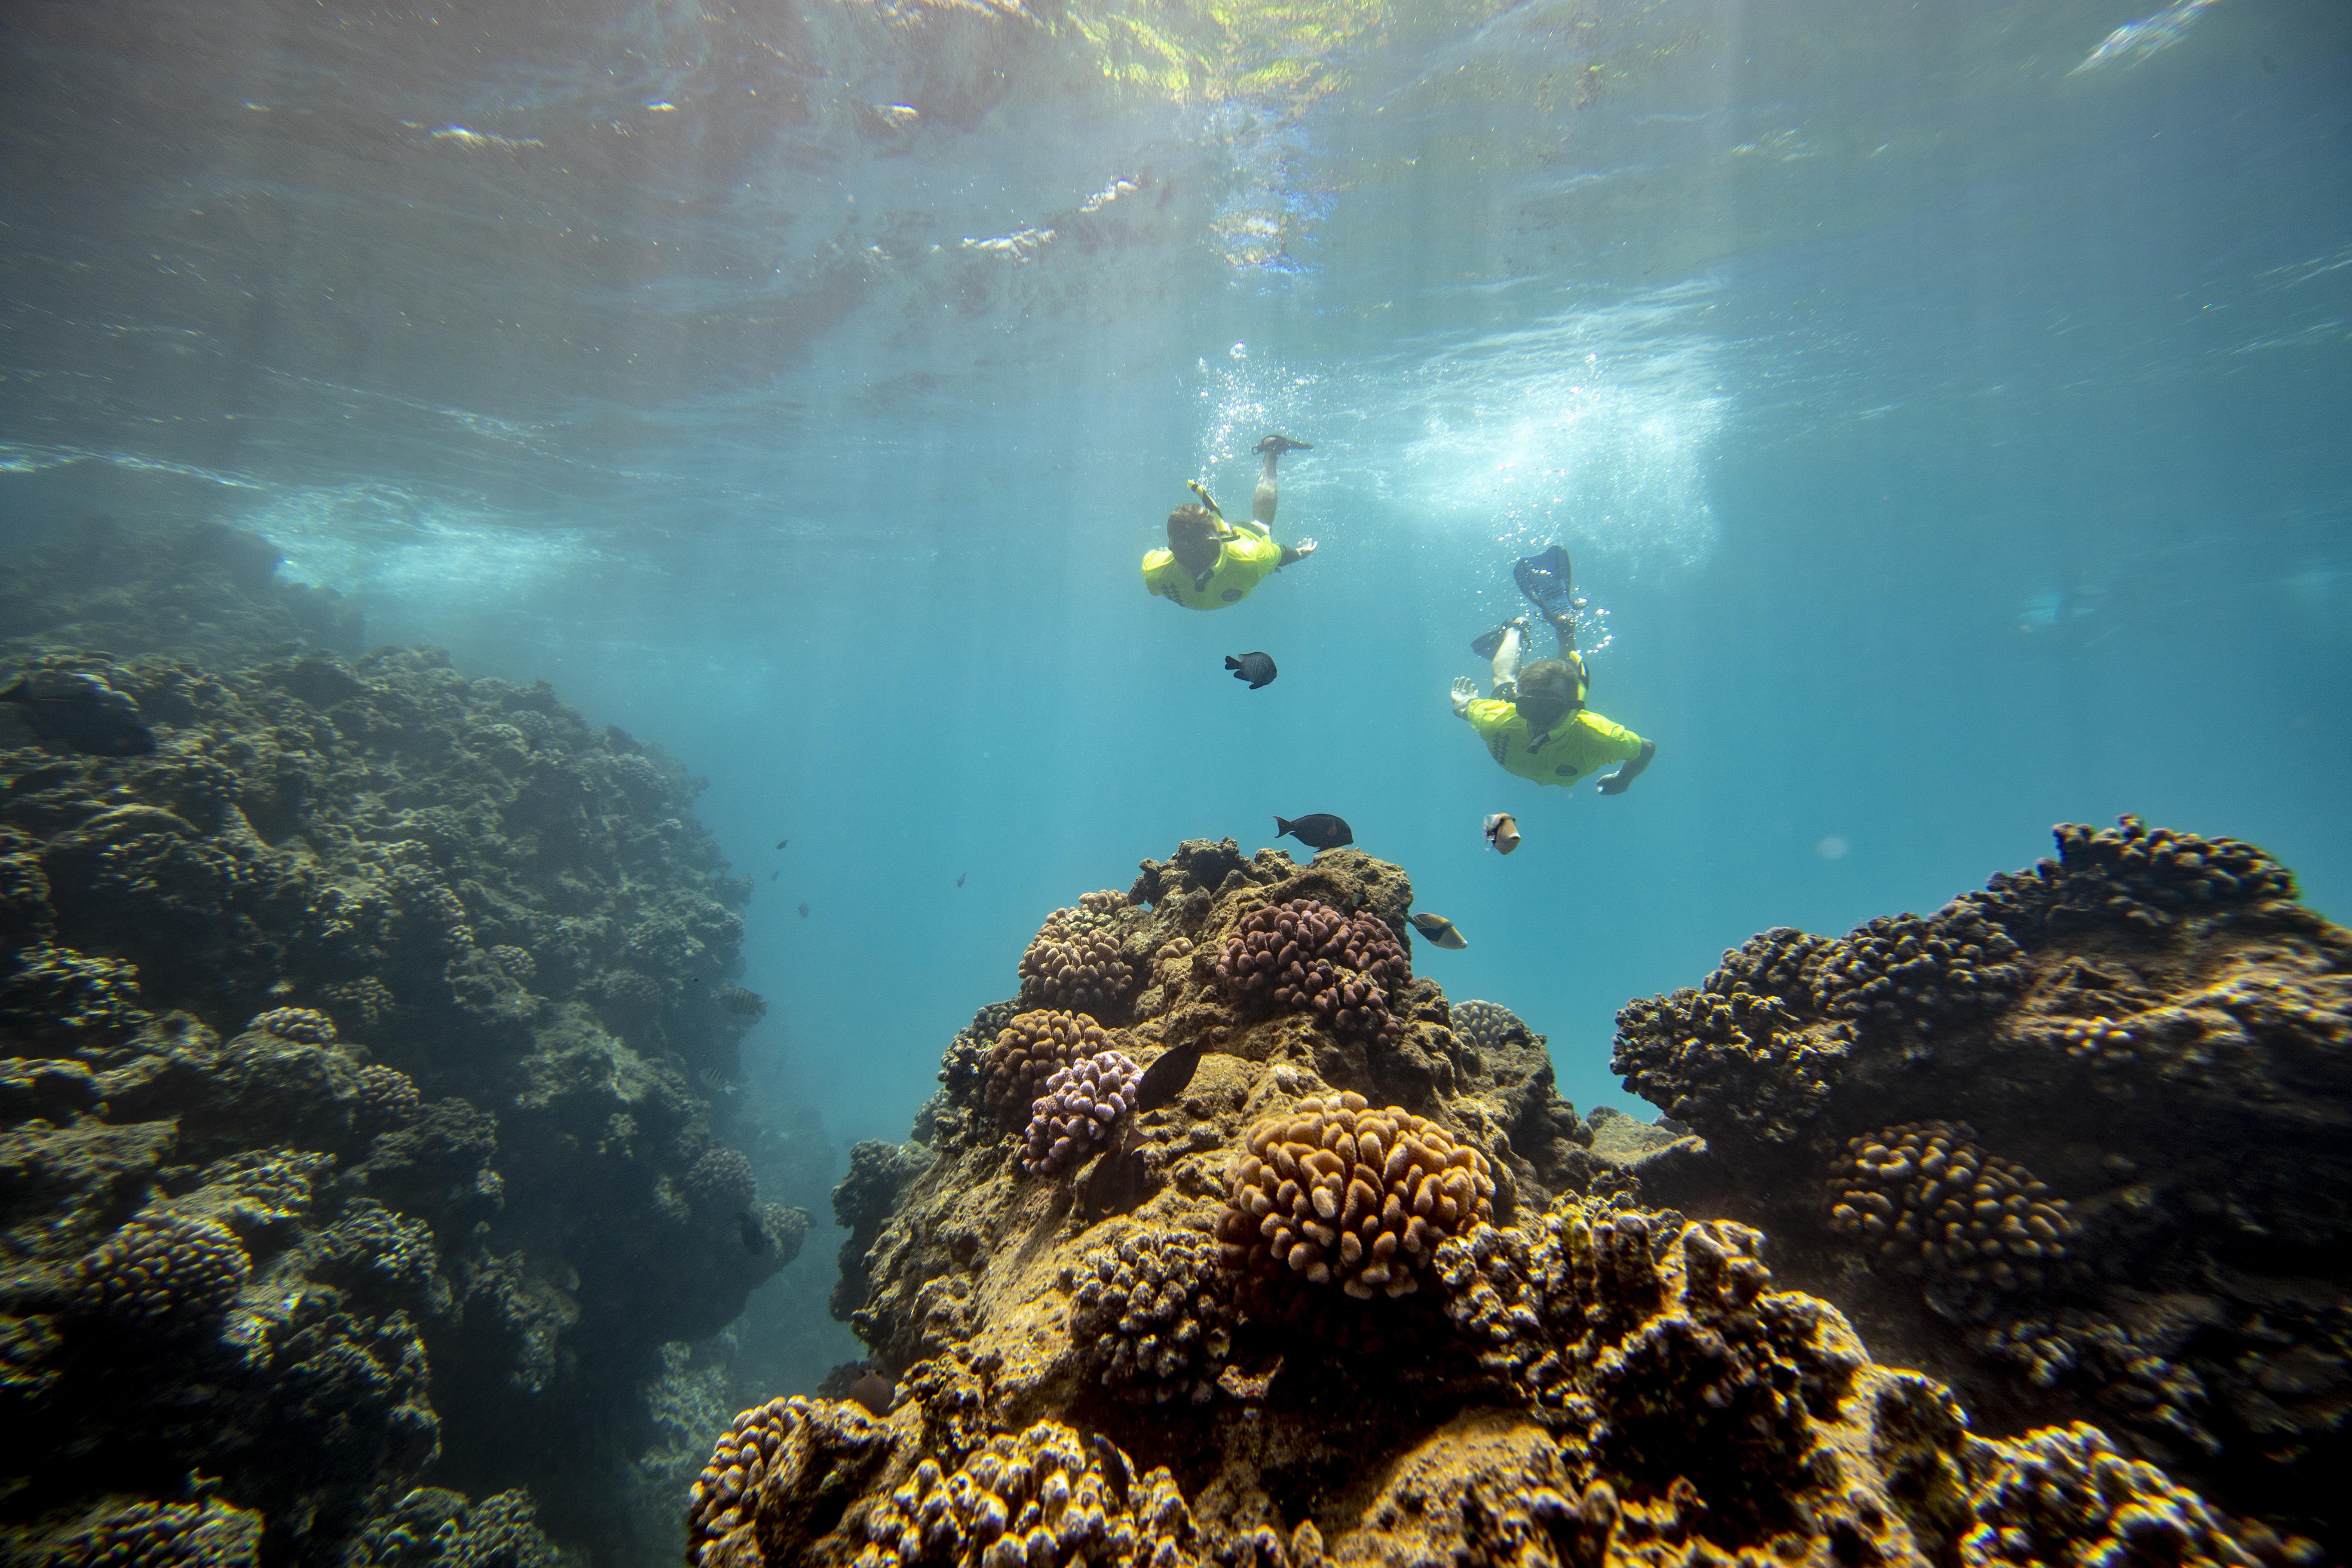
(1081, 1103)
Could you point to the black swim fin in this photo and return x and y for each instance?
(1484, 644)
(1548, 581)
(1278, 445)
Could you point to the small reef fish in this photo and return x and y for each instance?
(773, 875)
(960, 877)
(754, 1233)
(710, 1079)
(1503, 832)
(83, 712)
(781, 842)
(1320, 831)
(872, 1391)
(1439, 930)
(742, 1001)
(804, 911)
(1258, 668)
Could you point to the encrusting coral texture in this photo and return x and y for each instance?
(1314, 1304)
(334, 1152)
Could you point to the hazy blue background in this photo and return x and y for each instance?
(1951, 419)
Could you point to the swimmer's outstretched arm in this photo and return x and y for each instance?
(1464, 691)
(1622, 779)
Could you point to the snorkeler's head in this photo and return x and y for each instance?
(1549, 690)
(1192, 537)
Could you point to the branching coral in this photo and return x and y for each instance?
(721, 1179)
(306, 1025)
(1154, 1316)
(1075, 1116)
(1074, 962)
(2063, 1498)
(1755, 1051)
(1045, 1499)
(387, 1097)
(1029, 1050)
(785, 1470)
(2130, 874)
(1347, 969)
(1922, 1199)
(1337, 1193)
(160, 1268)
(150, 1534)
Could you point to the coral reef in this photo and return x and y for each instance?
(1075, 1116)
(2074, 1144)
(1306, 954)
(1154, 1316)
(1030, 1050)
(1077, 961)
(1315, 1306)
(1338, 1193)
(349, 1132)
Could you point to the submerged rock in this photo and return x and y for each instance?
(1355, 1285)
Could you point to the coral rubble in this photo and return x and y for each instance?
(2079, 1143)
(350, 1143)
(1351, 1284)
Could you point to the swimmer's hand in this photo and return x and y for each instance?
(1306, 547)
(1617, 782)
(1622, 779)
(1465, 688)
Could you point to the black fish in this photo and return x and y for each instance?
(1258, 668)
(874, 1392)
(773, 875)
(960, 877)
(1165, 1078)
(804, 911)
(781, 842)
(742, 1001)
(754, 1233)
(83, 712)
(1321, 831)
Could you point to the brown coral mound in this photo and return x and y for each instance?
(1082, 1103)
(2147, 1023)
(1926, 1200)
(1031, 1049)
(307, 1025)
(723, 1179)
(2063, 1498)
(1076, 962)
(779, 1478)
(160, 1267)
(386, 1095)
(1045, 1499)
(1338, 1193)
(150, 1534)
(1347, 969)
(1154, 1316)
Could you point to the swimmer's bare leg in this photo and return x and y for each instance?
(1264, 497)
(1506, 672)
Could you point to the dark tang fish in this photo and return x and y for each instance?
(804, 911)
(960, 877)
(1439, 930)
(872, 1391)
(83, 712)
(742, 1001)
(1321, 831)
(1258, 668)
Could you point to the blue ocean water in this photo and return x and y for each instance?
(1950, 408)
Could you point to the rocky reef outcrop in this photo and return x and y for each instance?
(1350, 1283)
(2079, 1143)
(354, 1168)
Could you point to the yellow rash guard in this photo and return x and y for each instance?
(1243, 562)
(1576, 747)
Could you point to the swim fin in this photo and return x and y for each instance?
(1548, 581)
(1484, 644)
(1278, 445)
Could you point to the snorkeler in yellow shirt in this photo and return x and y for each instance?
(1210, 564)
(1535, 723)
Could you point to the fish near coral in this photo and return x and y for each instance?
(742, 1001)
(872, 1391)
(1439, 930)
(1503, 832)
(1258, 668)
(1320, 831)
